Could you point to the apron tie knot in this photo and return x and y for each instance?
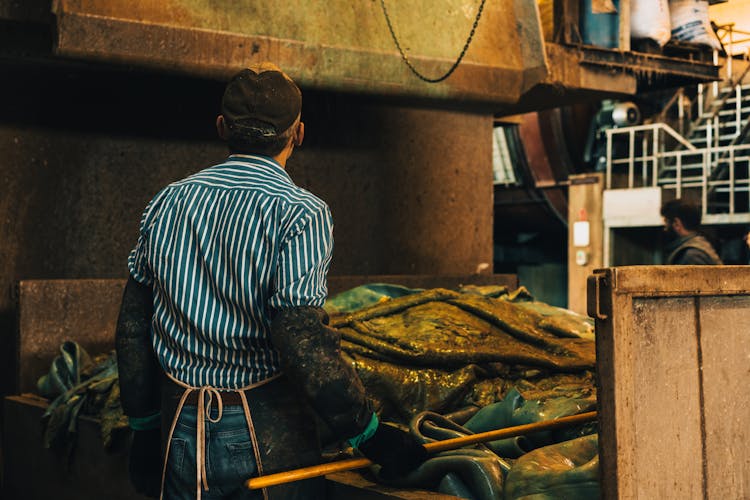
(206, 396)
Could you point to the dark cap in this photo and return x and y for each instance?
(262, 93)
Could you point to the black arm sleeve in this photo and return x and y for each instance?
(311, 357)
(138, 367)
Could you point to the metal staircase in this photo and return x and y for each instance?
(703, 152)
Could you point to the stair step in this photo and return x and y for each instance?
(671, 168)
(732, 100)
(684, 179)
(732, 112)
(702, 139)
(720, 102)
(684, 185)
(737, 189)
(723, 87)
(725, 111)
(722, 124)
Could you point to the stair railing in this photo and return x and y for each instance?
(666, 158)
(652, 143)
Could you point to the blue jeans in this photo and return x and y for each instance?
(229, 457)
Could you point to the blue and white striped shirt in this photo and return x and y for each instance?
(221, 250)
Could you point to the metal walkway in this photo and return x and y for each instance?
(698, 148)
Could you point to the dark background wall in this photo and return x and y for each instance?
(82, 151)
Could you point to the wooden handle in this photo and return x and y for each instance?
(448, 444)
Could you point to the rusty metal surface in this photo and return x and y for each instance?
(580, 74)
(544, 162)
(645, 281)
(649, 64)
(672, 359)
(329, 45)
(53, 311)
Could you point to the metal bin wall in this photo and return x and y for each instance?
(673, 363)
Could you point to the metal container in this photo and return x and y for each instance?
(673, 364)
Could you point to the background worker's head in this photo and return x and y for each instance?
(260, 112)
(681, 217)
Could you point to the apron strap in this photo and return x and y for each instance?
(203, 412)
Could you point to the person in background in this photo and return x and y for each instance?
(685, 245)
(222, 343)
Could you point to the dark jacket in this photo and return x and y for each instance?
(692, 250)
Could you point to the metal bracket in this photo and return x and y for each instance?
(594, 294)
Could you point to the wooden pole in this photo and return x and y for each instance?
(448, 444)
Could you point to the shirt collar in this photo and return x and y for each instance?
(677, 243)
(265, 162)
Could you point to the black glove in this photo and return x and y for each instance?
(398, 452)
(146, 463)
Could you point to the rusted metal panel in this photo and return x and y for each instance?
(52, 311)
(681, 280)
(586, 73)
(725, 344)
(648, 65)
(672, 366)
(568, 71)
(336, 45)
(544, 162)
(666, 424)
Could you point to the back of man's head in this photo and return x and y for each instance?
(689, 213)
(261, 104)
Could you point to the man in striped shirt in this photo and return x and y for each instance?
(221, 326)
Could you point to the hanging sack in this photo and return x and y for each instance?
(650, 19)
(690, 23)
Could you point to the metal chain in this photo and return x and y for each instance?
(406, 58)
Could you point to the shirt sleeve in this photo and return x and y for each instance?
(139, 257)
(304, 259)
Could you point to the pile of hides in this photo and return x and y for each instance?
(79, 385)
(442, 350)
(454, 363)
(544, 465)
(442, 363)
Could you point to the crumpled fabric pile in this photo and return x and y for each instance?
(78, 384)
(453, 363)
(544, 465)
(441, 350)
